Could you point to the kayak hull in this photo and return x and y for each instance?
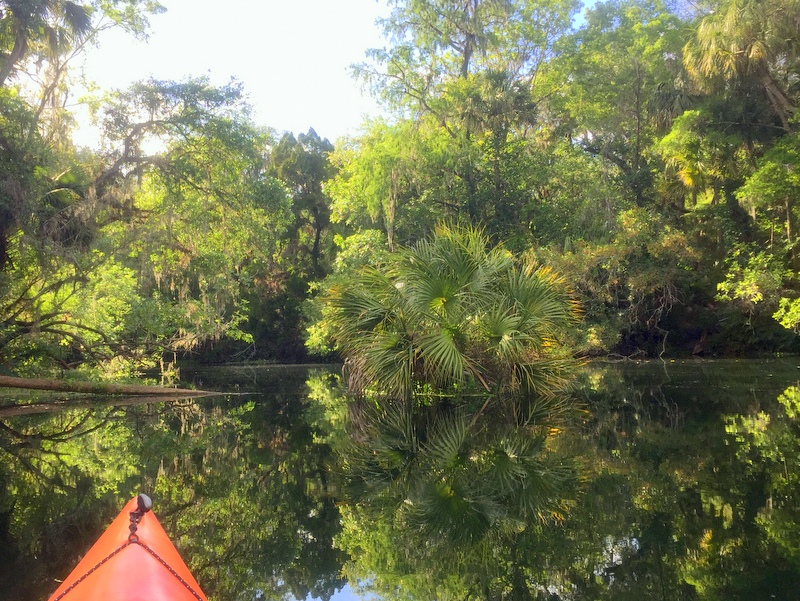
(142, 567)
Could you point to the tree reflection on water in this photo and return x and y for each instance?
(666, 485)
(240, 484)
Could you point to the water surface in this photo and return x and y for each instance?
(674, 481)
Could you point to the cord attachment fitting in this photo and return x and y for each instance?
(143, 505)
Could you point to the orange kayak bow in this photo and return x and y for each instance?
(133, 560)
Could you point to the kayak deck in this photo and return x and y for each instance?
(134, 560)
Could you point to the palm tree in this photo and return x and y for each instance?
(452, 346)
(451, 317)
(44, 26)
(452, 478)
(749, 39)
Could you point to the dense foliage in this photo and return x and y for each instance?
(645, 150)
(639, 159)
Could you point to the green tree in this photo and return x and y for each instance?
(387, 179)
(743, 40)
(772, 189)
(703, 157)
(44, 36)
(194, 223)
(48, 210)
(437, 41)
(303, 165)
(469, 70)
(605, 82)
(205, 226)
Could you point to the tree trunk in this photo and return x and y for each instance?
(61, 405)
(781, 104)
(16, 54)
(99, 388)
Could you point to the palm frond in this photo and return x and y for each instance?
(447, 441)
(542, 298)
(78, 18)
(544, 489)
(358, 310)
(451, 511)
(506, 330)
(444, 361)
(388, 363)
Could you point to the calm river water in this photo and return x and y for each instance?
(677, 480)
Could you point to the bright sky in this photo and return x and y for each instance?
(292, 56)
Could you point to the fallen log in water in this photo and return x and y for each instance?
(59, 405)
(99, 388)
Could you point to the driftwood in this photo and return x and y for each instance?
(100, 388)
(59, 405)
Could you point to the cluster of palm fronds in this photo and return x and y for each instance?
(452, 316)
(448, 476)
(452, 351)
